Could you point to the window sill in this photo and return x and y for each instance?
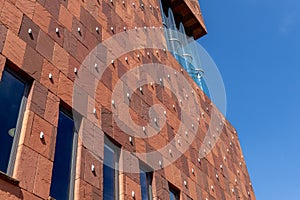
(9, 179)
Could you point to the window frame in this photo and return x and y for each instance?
(112, 145)
(175, 191)
(22, 109)
(73, 155)
(149, 172)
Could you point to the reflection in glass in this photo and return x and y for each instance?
(146, 185)
(110, 174)
(182, 47)
(174, 195)
(60, 184)
(11, 94)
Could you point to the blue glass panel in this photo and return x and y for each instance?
(144, 185)
(174, 194)
(109, 174)
(182, 62)
(11, 94)
(179, 47)
(60, 184)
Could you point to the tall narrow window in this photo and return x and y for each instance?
(13, 92)
(110, 171)
(64, 158)
(146, 184)
(174, 193)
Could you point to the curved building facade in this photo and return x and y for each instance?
(98, 102)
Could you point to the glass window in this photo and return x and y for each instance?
(180, 46)
(174, 193)
(12, 93)
(146, 184)
(110, 172)
(62, 167)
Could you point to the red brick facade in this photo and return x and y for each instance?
(222, 174)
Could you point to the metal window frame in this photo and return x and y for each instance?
(149, 172)
(112, 146)
(73, 156)
(174, 190)
(14, 147)
(74, 153)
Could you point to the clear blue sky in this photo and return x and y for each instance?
(256, 46)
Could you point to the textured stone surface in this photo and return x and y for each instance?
(46, 145)
(45, 52)
(29, 38)
(57, 37)
(9, 191)
(32, 63)
(85, 191)
(52, 109)
(3, 33)
(93, 178)
(29, 196)
(45, 45)
(25, 167)
(42, 17)
(26, 127)
(11, 17)
(65, 18)
(65, 89)
(50, 70)
(26, 6)
(2, 65)
(14, 48)
(74, 7)
(43, 177)
(53, 7)
(60, 59)
(70, 43)
(37, 98)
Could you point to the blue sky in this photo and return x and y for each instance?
(256, 46)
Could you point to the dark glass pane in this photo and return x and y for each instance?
(144, 185)
(109, 174)
(63, 158)
(11, 94)
(149, 182)
(174, 195)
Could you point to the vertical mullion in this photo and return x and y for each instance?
(73, 165)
